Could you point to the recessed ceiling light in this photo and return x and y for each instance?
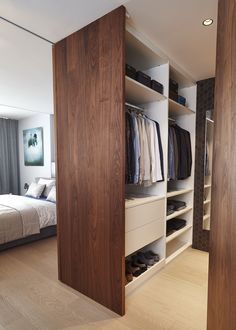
(207, 22)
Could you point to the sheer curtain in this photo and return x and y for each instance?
(9, 157)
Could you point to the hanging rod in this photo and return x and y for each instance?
(133, 106)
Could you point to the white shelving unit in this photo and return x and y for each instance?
(137, 93)
(144, 56)
(178, 213)
(178, 233)
(178, 192)
(176, 109)
(182, 190)
(207, 186)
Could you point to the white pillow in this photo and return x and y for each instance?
(48, 183)
(35, 190)
(52, 195)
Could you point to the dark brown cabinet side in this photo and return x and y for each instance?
(222, 264)
(89, 106)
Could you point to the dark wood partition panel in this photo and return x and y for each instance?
(222, 271)
(89, 100)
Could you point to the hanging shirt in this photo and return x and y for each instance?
(146, 155)
(136, 147)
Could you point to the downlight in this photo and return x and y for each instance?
(207, 22)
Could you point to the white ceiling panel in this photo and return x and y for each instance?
(55, 19)
(176, 27)
(15, 113)
(26, 78)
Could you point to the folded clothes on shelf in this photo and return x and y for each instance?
(176, 205)
(170, 209)
(174, 225)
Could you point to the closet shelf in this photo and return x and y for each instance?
(137, 93)
(178, 192)
(207, 186)
(174, 248)
(206, 217)
(144, 276)
(177, 213)
(210, 121)
(207, 202)
(176, 109)
(142, 199)
(178, 233)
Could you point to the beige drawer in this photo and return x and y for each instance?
(141, 215)
(138, 238)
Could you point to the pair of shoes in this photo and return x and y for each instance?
(148, 258)
(137, 263)
(132, 270)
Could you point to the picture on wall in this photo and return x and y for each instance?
(33, 147)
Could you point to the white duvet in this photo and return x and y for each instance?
(22, 216)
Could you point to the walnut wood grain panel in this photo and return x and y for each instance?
(222, 267)
(89, 88)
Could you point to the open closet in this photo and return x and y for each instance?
(102, 221)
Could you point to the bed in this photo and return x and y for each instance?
(24, 219)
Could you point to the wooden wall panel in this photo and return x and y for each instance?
(89, 100)
(222, 268)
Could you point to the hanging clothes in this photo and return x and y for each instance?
(144, 153)
(179, 153)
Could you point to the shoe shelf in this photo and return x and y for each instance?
(206, 222)
(174, 248)
(137, 281)
(206, 217)
(137, 93)
(178, 233)
(178, 192)
(206, 201)
(177, 109)
(177, 213)
(207, 186)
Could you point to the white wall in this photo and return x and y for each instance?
(26, 77)
(29, 173)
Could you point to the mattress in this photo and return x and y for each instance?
(21, 217)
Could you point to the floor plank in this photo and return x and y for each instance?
(31, 297)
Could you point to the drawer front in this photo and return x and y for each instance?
(138, 238)
(141, 215)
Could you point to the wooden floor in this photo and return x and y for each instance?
(31, 297)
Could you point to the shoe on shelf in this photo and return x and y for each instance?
(143, 260)
(135, 271)
(149, 254)
(135, 263)
(128, 277)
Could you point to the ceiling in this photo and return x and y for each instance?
(26, 64)
(14, 113)
(25, 70)
(176, 27)
(55, 19)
